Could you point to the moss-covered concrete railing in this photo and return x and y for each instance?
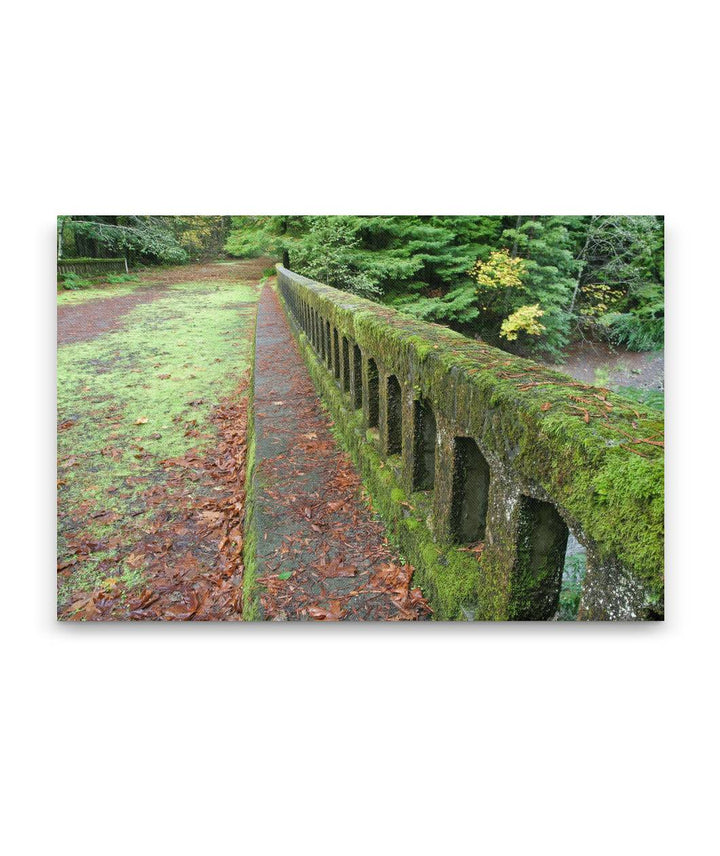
(481, 463)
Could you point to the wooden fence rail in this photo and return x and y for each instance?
(92, 267)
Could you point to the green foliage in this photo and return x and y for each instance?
(489, 277)
(623, 271)
(458, 307)
(328, 253)
(142, 239)
(252, 237)
(201, 237)
(548, 280)
(642, 326)
(571, 589)
(638, 332)
(72, 281)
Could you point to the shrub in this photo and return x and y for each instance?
(72, 282)
(641, 331)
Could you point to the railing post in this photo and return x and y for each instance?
(529, 480)
(609, 594)
(408, 444)
(444, 465)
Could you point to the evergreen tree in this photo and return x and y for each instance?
(524, 283)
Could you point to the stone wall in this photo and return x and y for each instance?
(482, 463)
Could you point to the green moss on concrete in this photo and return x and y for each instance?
(251, 594)
(251, 599)
(583, 447)
(446, 575)
(398, 495)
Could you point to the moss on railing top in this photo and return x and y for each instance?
(598, 455)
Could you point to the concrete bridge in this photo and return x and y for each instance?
(482, 464)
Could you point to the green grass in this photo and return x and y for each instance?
(66, 298)
(115, 278)
(126, 418)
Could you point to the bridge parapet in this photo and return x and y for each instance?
(482, 463)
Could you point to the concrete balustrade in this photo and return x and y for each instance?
(481, 463)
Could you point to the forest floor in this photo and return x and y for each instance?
(152, 410)
(153, 381)
(321, 553)
(602, 364)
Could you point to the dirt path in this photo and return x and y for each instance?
(321, 552)
(81, 322)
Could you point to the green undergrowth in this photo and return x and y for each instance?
(134, 397)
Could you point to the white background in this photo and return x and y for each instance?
(338, 739)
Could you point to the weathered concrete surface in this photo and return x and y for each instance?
(589, 460)
(319, 550)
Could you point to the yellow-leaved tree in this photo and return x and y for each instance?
(526, 319)
(501, 270)
(498, 278)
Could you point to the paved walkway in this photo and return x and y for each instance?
(322, 554)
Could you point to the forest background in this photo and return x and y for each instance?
(528, 284)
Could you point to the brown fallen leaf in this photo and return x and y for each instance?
(320, 614)
(141, 420)
(546, 406)
(185, 610)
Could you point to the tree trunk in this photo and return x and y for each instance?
(581, 258)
